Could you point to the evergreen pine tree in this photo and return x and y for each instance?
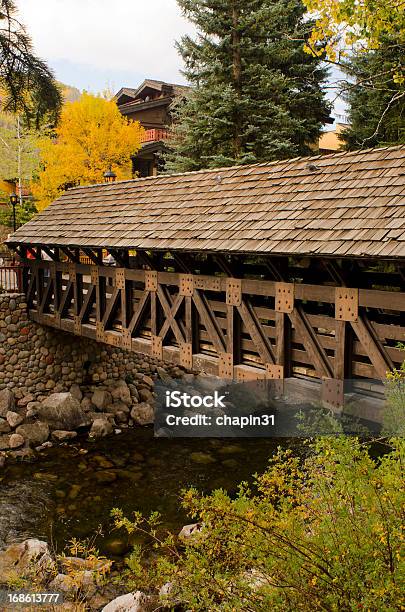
(376, 98)
(256, 94)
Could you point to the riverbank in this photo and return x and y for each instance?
(69, 491)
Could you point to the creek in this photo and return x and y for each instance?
(70, 490)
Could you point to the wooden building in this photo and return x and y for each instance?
(149, 104)
(287, 269)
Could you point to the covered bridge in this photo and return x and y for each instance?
(292, 268)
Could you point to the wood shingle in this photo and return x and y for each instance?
(352, 204)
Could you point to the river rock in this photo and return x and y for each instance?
(21, 559)
(86, 404)
(163, 375)
(121, 393)
(14, 419)
(101, 428)
(143, 414)
(62, 436)
(35, 433)
(7, 402)
(145, 395)
(62, 411)
(105, 477)
(25, 400)
(101, 399)
(203, 458)
(76, 392)
(4, 426)
(63, 583)
(190, 531)
(132, 602)
(148, 381)
(134, 393)
(4, 442)
(83, 581)
(16, 441)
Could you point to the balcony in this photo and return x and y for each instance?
(154, 135)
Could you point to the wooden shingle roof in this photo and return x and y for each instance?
(344, 204)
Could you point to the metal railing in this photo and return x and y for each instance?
(11, 278)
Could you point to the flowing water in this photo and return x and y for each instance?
(68, 493)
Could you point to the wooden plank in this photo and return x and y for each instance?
(100, 297)
(170, 322)
(283, 343)
(66, 300)
(253, 326)
(112, 305)
(188, 310)
(373, 347)
(342, 367)
(209, 321)
(308, 338)
(139, 313)
(46, 297)
(390, 300)
(87, 305)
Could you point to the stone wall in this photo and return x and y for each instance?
(37, 360)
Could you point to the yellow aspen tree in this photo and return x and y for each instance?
(91, 137)
(347, 23)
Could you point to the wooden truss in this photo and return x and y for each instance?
(236, 328)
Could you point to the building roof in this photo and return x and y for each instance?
(170, 88)
(343, 204)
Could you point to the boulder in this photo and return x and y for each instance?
(132, 602)
(143, 414)
(7, 402)
(101, 428)
(62, 411)
(14, 419)
(62, 436)
(35, 433)
(121, 393)
(21, 559)
(101, 399)
(16, 441)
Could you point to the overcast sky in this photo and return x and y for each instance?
(99, 44)
(94, 44)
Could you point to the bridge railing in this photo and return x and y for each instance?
(11, 278)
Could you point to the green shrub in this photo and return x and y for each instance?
(324, 533)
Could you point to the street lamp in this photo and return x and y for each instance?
(13, 202)
(109, 176)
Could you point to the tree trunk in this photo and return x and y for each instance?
(237, 76)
